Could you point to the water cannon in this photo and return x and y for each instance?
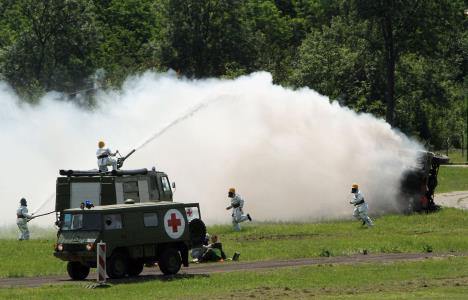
(121, 160)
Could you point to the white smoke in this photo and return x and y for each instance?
(292, 155)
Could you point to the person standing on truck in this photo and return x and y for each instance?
(360, 206)
(22, 218)
(237, 204)
(105, 157)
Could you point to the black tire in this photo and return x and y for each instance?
(135, 268)
(197, 231)
(117, 265)
(170, 261)
(77, 271)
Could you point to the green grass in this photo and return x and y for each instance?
(394, 233)
(29, 258)
(430, 279)
(452, 179)
(417, 233)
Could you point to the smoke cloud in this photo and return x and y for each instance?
(291, 154)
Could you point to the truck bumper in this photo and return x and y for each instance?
(85, 257)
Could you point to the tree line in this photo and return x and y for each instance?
(403, 60)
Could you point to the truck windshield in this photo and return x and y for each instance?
(81, 221)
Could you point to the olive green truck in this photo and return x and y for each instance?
(133, 213)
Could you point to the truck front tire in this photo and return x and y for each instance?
(77, 271)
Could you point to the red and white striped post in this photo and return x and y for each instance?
(101, 263)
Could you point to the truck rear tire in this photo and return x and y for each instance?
(135, 268)
(117, 265)
(77, 271)
(170, 261)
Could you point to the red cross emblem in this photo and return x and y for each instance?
(189, 212)
(174, 222)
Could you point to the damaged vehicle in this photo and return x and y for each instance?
(418, 184)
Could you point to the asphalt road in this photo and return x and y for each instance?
(204, 270)
(453, 199)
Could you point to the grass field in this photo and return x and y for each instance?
(452, 179)
(438, 232)
(431, 279)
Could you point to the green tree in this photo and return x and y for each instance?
(401, 59)
(271, 37)
(53, 49)
(430, 102)
(404, 26)
(10, 23)
(129, 34)
(335, 60)
(203, 37)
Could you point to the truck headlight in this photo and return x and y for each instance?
(89, 246)
(59, 247)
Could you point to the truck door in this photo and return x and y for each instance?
(166, 189)
(154, 192)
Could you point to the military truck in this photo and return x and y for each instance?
(135, 234)
(133, 212)
(418, 183)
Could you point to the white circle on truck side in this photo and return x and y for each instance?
(174, 223)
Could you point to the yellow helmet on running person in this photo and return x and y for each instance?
(232, 193)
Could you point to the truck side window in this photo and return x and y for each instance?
(150, 219)
(165, 184)
(113, 221)
(131, 191)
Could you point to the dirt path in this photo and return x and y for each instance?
(453, 199)
(203, 270)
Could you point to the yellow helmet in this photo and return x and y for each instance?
(101, 144)
(355, 186)
(232, 190)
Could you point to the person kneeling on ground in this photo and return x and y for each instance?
(214, 251)
(198, 251)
